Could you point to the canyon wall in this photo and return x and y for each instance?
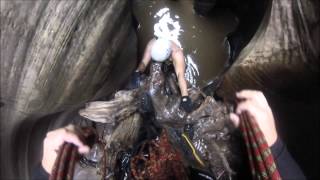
(55, 56)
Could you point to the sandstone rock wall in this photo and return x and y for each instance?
(283, 60)
(283, 54)
(56, 55)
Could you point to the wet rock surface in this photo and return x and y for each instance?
(282, 53)
(56, 55)
(209, 144)
(200, 37)
(282, 60)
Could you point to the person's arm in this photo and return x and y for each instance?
(51, 145)
(288, 168)
(179, 66)
(146, 57)
(257, 107)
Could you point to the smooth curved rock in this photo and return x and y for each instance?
(284, 52)
(56, 55)
(282, 60)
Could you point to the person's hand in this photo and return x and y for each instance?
(257, 107)
(186, 104)
(55, 139)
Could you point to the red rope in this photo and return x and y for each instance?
(261, 160)
(68, 155)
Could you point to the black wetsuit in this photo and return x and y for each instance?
(286, 165)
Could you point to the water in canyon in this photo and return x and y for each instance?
(201, 38)
(202, 41)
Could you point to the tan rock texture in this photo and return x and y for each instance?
(283, 60)
(56, 55)
(283, 54)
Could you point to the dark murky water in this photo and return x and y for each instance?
(200, 37)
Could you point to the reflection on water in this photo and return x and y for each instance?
(201, 38)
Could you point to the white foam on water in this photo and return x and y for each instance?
(169, 27)
(192, 70)
(162, 11)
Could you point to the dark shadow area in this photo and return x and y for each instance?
(299, 127)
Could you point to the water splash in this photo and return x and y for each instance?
(169, 27)
(192, 70)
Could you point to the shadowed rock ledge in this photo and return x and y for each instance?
(283, 55)
(56, 55)
(283, 60)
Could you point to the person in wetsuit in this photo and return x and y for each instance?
(161, 50)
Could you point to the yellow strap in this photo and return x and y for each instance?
(194, 152)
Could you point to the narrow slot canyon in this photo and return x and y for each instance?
(60, 59)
